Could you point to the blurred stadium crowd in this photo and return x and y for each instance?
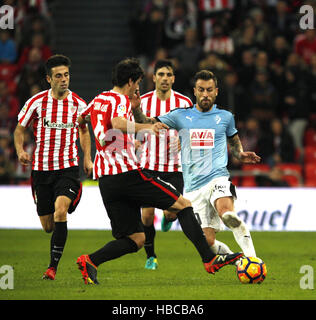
(264, 61)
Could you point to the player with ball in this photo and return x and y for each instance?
(205, 131)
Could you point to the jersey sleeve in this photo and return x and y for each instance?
(27, 113)
(170, 119)
(231, 128)
(85, 112)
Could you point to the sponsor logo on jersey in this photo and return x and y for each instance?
(202, 138)
(57, 125)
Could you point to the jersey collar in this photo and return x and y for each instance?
(214, 108)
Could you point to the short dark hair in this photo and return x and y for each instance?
(163, 63)
(126, 69)
(205, 75)
(56, 61)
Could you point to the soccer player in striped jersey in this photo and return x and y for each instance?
(124, 186)
(156, 154)
(55, 180)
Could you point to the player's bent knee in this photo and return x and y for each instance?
(60, 215)
(171, 216)
(231, 220)
(48, 229)
(180, 204)
(47, 223)
(139, 239)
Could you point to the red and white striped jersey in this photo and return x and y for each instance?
(115, 150)
(55, 129)
(155, 153)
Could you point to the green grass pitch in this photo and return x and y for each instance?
(180, 275)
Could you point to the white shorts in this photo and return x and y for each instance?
(203, 201)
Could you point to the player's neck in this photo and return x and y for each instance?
(163, 95)
(121, 90)
(204, 110)
(59, 95)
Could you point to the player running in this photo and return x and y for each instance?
(55, 180)
(124, 187)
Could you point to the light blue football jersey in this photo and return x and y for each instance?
(203, 137)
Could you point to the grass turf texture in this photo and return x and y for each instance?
(180, 275)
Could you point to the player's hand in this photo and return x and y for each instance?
(158, 126)
(249, 157)
(88, 167)
(138, 144)
(175, 144)
(24, 158)
(135, 100)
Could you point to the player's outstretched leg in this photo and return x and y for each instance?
(114, 249)
(241, 233)
(192, 229)
(220, 261)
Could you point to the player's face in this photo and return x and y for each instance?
(205, 92)
(59, 79)
(164, 79)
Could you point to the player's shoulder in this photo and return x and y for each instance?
(35, 101)
(37, 97)
(181, 110)
(101, 97)
(224, 110)
(78, 98)
(110, 97)
(183, 97)
(147, 95)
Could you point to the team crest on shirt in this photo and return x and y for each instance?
(73, 109)
(202, 138)
(218, 119)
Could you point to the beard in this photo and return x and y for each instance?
(206, 104)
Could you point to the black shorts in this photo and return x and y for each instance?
(48, 185)
(174, 178)
(124, 194)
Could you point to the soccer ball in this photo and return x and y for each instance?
(251, 270)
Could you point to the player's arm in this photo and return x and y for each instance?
(141, 118)
(127, 126)
(138, 114)
(85, 143)
(24, 158)
(237, 151)
(82, 121)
